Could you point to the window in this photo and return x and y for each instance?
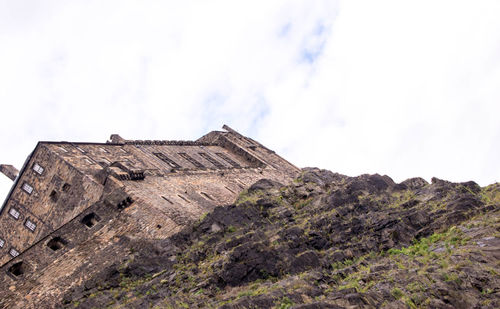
(207, 196)
(30, 225)
(192, 160)
(66, 187)
(27, 188)
(90, 220)
(183, 198)
(88, 161)
(38, 169)
(14, 213)
(56, 243)
(63, 149)
(224, 157)
(207, 157)
(103, 150)
(54, 196)
(166, 199)
(2, 243)
(167, 160)
(13, 252)
(18, 268)
(80, 149)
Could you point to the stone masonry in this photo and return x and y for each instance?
(72, 204)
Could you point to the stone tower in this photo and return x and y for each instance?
(71, 202)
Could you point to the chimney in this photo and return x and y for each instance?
(116, 139)
(9, 171)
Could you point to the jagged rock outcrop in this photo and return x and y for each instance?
(325, 241)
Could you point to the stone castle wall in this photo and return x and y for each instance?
(131, 189)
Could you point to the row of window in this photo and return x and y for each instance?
(195, 162)
(26, 186)
(28, 223)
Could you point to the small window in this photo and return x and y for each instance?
(13, 252)
(2, 243)
(88, 161)
(38, 169)
(54, 196)
(183, 198)
(63, 149)
(18, 268)
(166, 199)
(90, 220)
(207, 196)
(56, 243)
(207, 157)
(66, 187)
(80, 149)
(103, 150)
(224, 157)
(27, 188)
(14, 213)
(191, 160)
(166, 159)
(30, 225)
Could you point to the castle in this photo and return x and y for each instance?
(71, 202)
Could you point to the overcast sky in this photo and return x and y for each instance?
(403, 88)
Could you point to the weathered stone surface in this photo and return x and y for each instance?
(87, 202)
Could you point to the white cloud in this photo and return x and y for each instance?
(398, 87)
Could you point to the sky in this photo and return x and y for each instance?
(403, 88)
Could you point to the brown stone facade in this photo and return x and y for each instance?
(73, 202)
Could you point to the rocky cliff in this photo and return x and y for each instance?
(324, 241)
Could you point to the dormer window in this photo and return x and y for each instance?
(13, 252)
(30, 225)
(2, 243)
(38, 169)
(27, 188)
(14, 213)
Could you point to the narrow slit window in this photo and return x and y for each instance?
(191, 160)
(166, 199)
(209, 158)
(88, 161)
(27, 188)
(63, 149)
(80, 149)
(224, 157)
(2, 243)
(30, 225)
(38, 169)
(229, 190)
(166, 159)
(207, 196)
(13, 252)
(103, 150)
(14, 213)
(183, 198)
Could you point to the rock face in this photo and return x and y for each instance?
(324, 241)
